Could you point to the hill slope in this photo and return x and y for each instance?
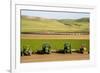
(38, 24)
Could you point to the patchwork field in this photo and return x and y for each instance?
(49, 27)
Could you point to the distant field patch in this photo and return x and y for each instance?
(37, 36)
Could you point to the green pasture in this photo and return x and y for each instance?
(56, 44)
(35, 24)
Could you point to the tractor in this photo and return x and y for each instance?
(82, 49)
(67, 48)
(46, 48)
(26, 51)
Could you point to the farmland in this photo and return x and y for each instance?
(35, 31)
(48, 26)
(56, 44)
(39, 24)
(54, 57)
(51, 36)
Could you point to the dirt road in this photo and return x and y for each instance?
(36, 36)
(54, 57)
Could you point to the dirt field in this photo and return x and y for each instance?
(37, 36)
(54, 57)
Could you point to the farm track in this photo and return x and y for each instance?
(37, 36)
(54, 57)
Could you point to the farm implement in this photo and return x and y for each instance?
(46, 49)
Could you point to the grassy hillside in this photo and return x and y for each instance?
(83, 20)
(38, 24)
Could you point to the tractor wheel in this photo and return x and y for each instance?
(70, 52)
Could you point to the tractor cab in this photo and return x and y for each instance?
(26, 51)
(67, 48)
(46, 48)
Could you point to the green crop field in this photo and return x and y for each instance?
(56, 44)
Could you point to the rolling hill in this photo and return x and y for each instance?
(40, 24)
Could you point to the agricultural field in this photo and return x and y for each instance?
(39, 24)
(56, 44)
(37, 30)
(54, 57)
(52, 36)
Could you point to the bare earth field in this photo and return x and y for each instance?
(37, 36)
(54, 57)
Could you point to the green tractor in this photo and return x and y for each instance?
(26, 51)
(46, 48)
(67, 48)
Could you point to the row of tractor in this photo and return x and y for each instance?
(46, 49)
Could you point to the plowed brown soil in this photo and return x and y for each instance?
(54, 57)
